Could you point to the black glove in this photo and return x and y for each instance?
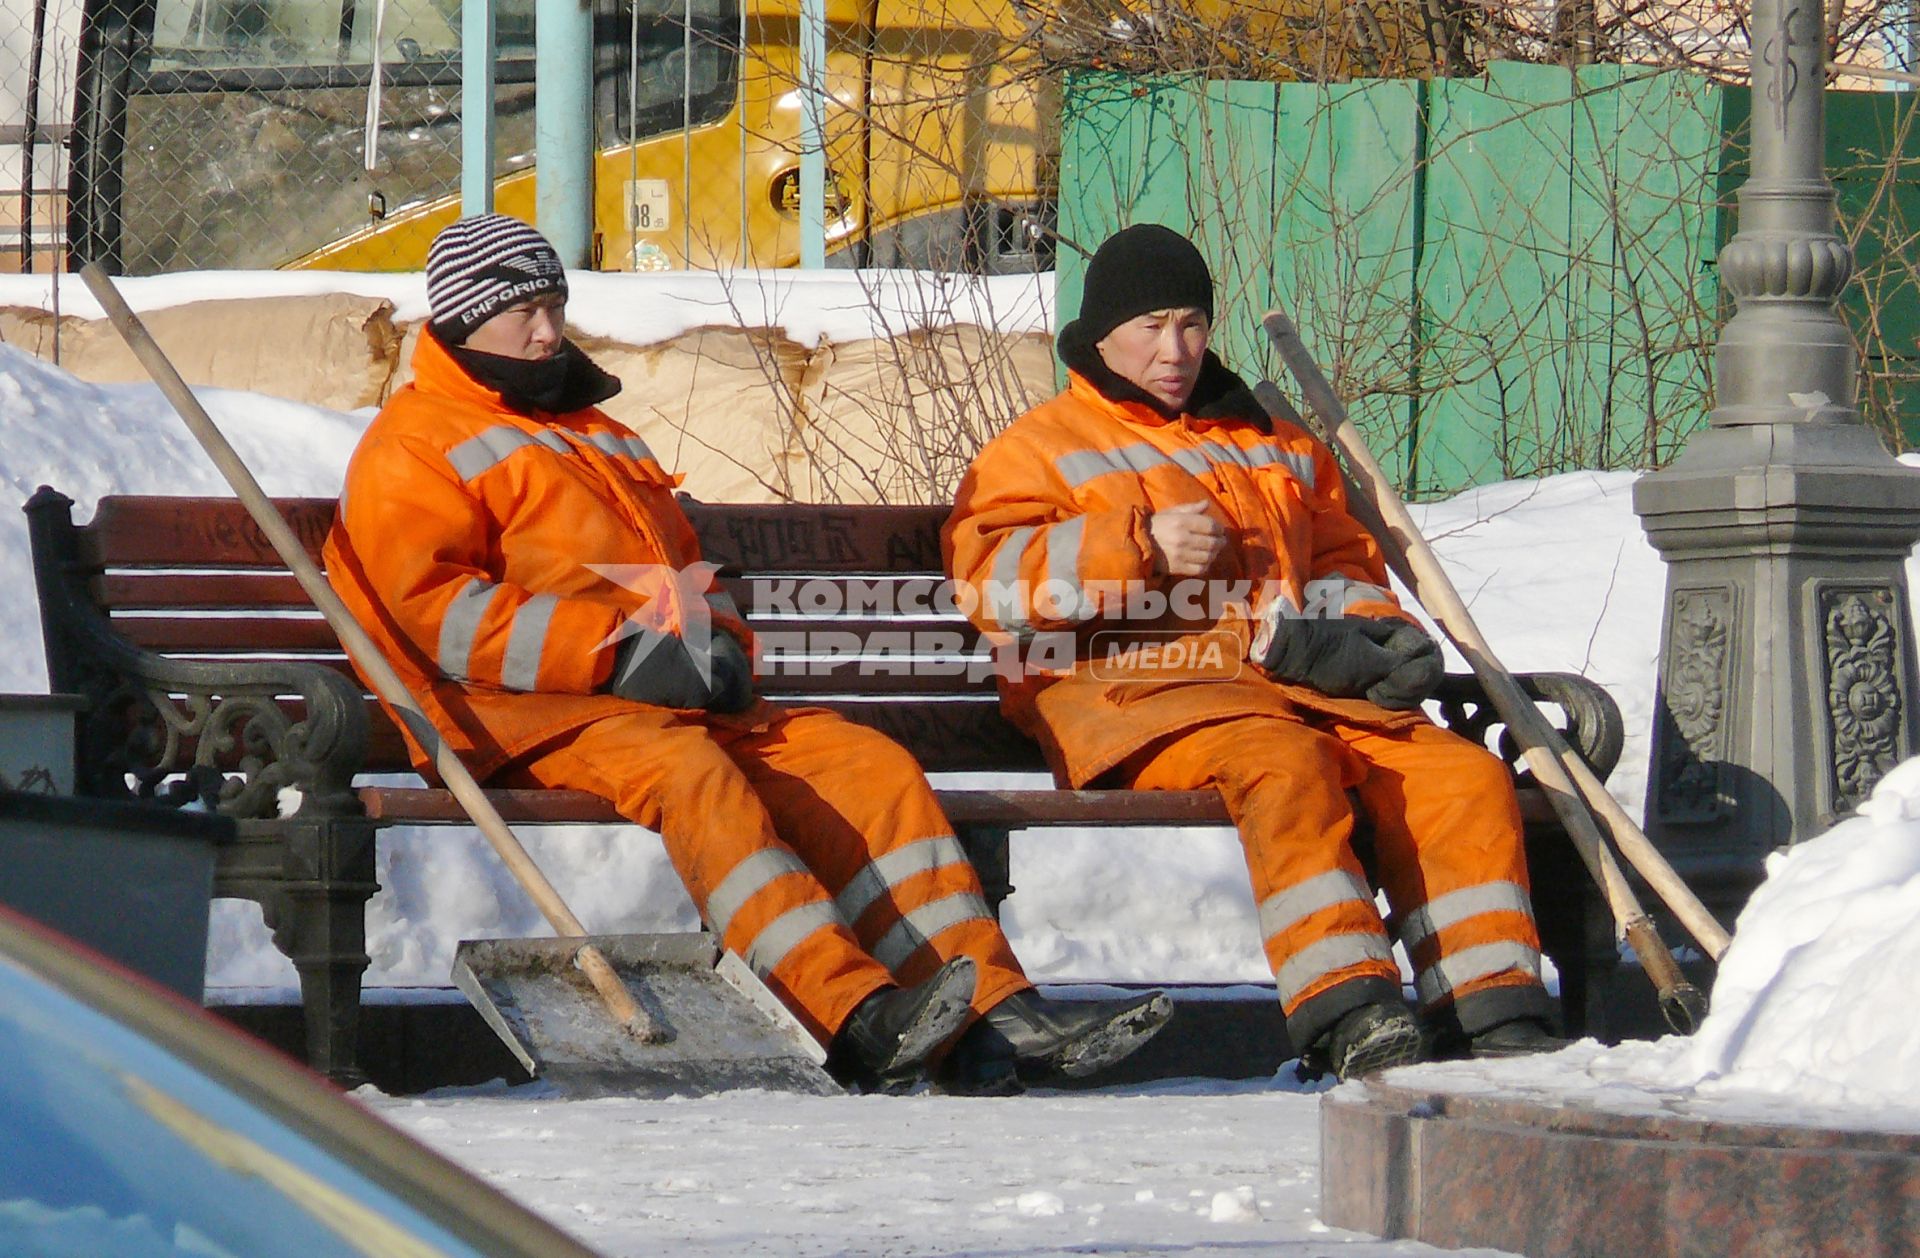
(659, 668)
(1413, 679)
(1389, 662)
(732, 674)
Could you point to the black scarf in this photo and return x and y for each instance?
(1217, 394)
(564, 381)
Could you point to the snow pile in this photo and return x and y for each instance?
(89, 440)
(1815, 998)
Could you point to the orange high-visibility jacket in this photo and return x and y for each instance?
(1049, 533)
(463, 543)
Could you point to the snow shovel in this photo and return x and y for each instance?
(1563, 775)
(636, 1013)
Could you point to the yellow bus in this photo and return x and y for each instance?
(235, 133)
(232, 133)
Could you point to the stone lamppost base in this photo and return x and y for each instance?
(1449, 1156)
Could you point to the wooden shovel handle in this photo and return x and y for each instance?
(1564, 776)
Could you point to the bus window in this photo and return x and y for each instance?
(301, 32)
(688, 64)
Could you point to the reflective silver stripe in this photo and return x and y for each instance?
(1268, 455)
(461, 625)
(476, 454)
(1084, 465)
(744, 881)
(526, 641)
(1321, 958)
(1362, 592)
(1197, 461)
(1457, 969)
(620, 447)
(1284, 909)
(1003, 592)
(1457, 906)
(874, 879)
(913, 930)
(771, 946)
(1352, 591)
(1063, 564)
(1265, 455)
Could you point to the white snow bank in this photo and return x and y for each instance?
(89, 440)
(637, 309)
(1815, 997)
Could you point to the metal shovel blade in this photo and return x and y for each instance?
(722, 1027)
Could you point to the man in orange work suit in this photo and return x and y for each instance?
(1140, 514)
(483, 510)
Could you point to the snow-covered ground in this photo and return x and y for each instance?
(1813, 1020)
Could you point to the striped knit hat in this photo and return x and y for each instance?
(480, 266)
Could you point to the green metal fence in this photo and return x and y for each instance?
(1508, 275)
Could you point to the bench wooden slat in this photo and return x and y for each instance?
(191, 591)
(964, 807)
(895, 632)
(867, 677)
(778, 538)
(943, 735)
(133, 530)
(1014, 808)
(246, 635)
(946, 735)
(1038, 806)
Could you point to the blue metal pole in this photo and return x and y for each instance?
(476, 107)
(563, 126)
(813, 133)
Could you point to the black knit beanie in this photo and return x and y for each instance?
(1139, 269)
(479, 266)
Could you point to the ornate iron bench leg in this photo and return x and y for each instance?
(1576, 931)
(319, 922)
(986, 847)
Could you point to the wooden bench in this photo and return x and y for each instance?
(208, 674)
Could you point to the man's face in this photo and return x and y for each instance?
(1161, 351)
(530, 330)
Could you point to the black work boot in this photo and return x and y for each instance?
(885, 1043)
(1028, 1038)
(1521, 1037)
(1367, 1038)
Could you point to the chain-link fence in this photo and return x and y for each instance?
(233, 133)
(38, 39)
(237, 133)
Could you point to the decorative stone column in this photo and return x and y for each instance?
(1787, 684)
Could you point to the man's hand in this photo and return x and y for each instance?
(1186, 540)
(1391, 662)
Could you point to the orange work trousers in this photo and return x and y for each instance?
(812, 847)
(1447, 851)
